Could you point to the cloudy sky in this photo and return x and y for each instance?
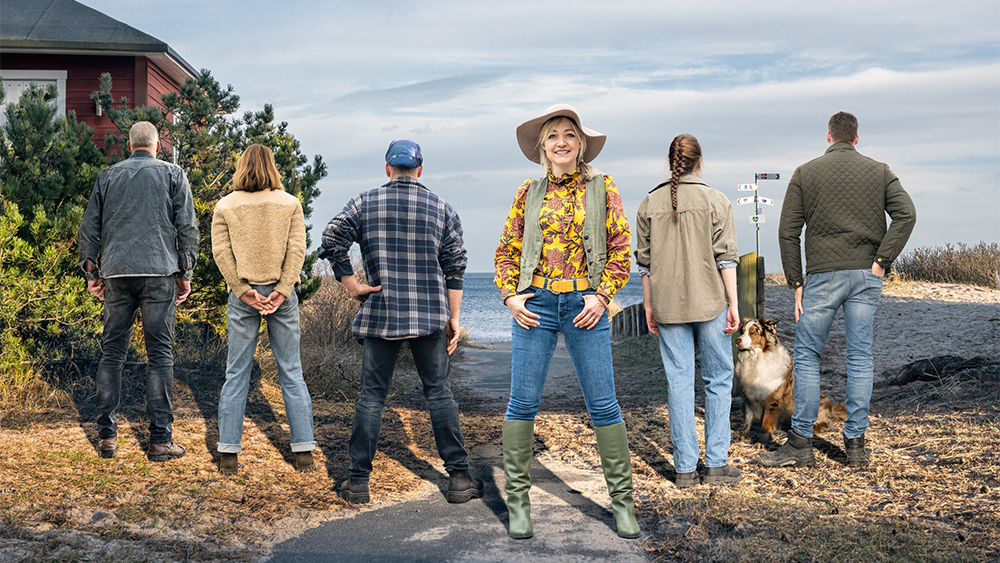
(754, 81)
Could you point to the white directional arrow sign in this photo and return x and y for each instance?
(747, 187)
(757, 219)
(746, 200)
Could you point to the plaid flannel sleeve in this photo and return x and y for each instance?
(341, 232)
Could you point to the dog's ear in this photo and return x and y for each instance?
(743, 323)
(770, 331)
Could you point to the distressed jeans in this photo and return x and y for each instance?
(858, 292)
(677, 352)
(430, 354)
(123, 298)
(590, 350)
(283, 334)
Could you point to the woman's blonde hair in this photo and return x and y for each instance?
(255, 170)
(586, 171)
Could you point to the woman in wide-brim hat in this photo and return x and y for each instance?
(563, 254)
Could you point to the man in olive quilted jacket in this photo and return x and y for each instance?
(842, 198)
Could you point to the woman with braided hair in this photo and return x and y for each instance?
(686, 254)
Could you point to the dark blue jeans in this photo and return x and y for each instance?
(430, 354)
(123, 297)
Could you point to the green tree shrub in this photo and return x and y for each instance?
(49, 166)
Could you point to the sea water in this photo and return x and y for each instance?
(489, 320)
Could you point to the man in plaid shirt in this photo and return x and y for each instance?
(414, 261)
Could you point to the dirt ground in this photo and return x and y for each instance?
(932, 487)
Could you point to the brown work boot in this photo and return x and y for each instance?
(229, 464)
(356, 493)
(463, 488)
(797, 451)
(686, 480)
(857, 455)
(107, 447)
(304, 461)
(725, 474)
(164, 452)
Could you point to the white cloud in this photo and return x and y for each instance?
(755, 82)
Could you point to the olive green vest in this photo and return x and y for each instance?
(595, 230)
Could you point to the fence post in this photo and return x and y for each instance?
(630, 322)
(749, 290)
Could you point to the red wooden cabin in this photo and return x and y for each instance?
(65, 43)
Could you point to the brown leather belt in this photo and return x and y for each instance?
(560, 286)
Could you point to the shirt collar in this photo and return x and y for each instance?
(565, 179)
(408, 181)
(841, 146)
(142, 154)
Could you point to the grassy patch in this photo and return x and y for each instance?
(734, 525)
(638, 368)
(960, 264)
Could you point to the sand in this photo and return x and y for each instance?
(913, 321)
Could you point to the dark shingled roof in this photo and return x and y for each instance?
(65, 26)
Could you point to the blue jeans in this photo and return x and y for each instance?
(531, 352)
(677, 351)
(283, 334)
(430, 354)
(123, 297)
(857, 291)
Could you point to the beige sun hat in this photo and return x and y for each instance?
(528, 132)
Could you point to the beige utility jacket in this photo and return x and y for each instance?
(681, 256)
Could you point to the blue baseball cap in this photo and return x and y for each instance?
(404, 153)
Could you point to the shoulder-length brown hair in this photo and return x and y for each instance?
(255, 170)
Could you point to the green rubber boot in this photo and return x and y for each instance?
(617, 465)
(518, 438)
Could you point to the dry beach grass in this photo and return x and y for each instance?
(930, 494)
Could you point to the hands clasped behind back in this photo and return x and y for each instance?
(266, 305)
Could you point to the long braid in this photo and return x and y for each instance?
(675, 176)
(684, 155)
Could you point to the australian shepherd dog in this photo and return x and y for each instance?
(764, 370)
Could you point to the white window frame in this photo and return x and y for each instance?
(42, 77)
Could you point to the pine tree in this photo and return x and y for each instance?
(48, 166)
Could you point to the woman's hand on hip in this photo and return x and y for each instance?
(593, 310)
(521, 314)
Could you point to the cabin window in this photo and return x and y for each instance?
(16, 81)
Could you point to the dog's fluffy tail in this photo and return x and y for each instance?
(830, 413)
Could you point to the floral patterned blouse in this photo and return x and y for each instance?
(563, 211)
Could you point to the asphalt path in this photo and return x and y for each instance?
(571, 513)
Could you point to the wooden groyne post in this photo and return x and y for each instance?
(630, 322)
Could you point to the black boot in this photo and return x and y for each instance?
(797, 451)
(857, 456)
